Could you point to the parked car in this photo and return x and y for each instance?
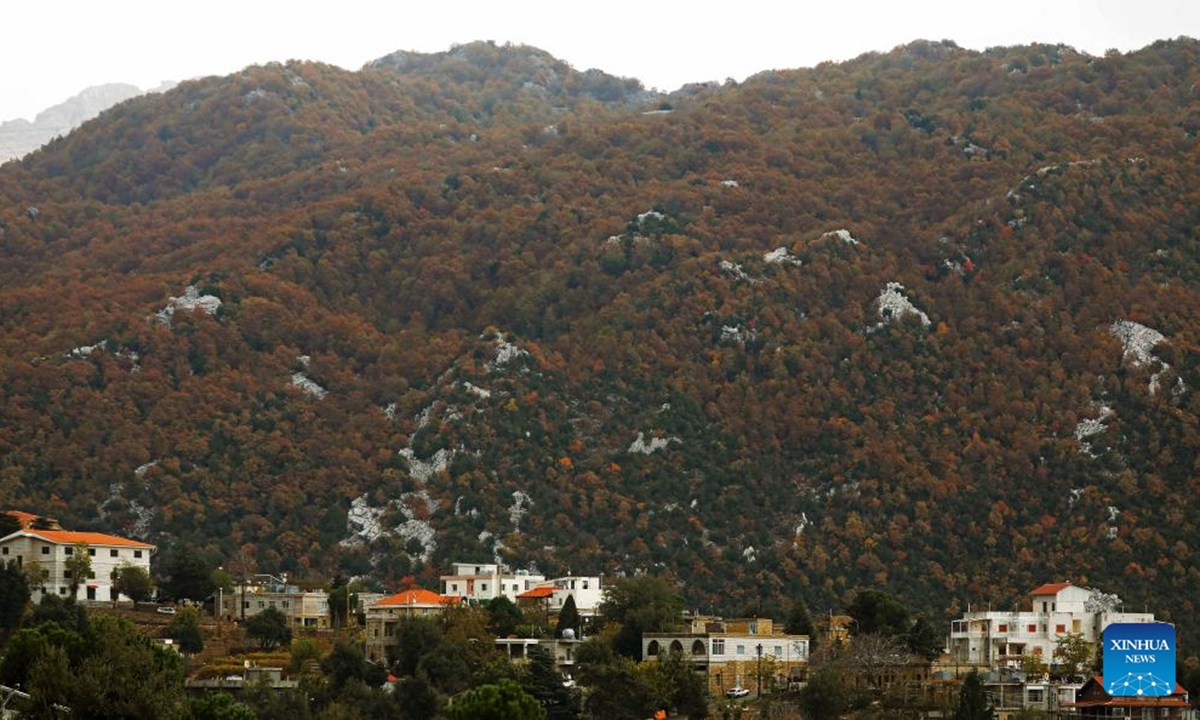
(165, 610)
(736, 692)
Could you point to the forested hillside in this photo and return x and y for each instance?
(926, 320)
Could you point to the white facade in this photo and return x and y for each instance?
(479, 582)
(586, 590)
(50, 550)
(994, 638)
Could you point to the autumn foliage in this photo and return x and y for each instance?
(534, 280)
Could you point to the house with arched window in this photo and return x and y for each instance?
(746, 652)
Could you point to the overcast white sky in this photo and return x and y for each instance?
(52, 50)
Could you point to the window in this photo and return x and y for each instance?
(69, 551)
(91, 575)
(4, 550)
(92, 552)
(1035, 695)
(778, 651)
(45, 549)
(66, 574)
(483, 587)
(718, 646)
(113, 553)
(1032, 627)
(137, 553)
(1060, 629)
(741, 649)
(62, 591)
(1003, 628)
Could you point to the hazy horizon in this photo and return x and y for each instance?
(664, 45)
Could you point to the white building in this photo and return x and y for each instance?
(586, 589)
(479, 582)
(996, 638)
(50, 549)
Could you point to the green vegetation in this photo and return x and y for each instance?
(972, 700)
(269, 628)
(133, 582)
(503, 701)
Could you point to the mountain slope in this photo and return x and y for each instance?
(858, 325)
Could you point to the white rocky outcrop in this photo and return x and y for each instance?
(190, 300)
(521, 504)
(737, 271)
(477, 391)
(640, 445)
(302, 381)
(843, 235)
(365, 523)
(506, 352)
(423, 470)
(894, 305)
(1089, 427)
(85, 350)
(1138, 341)
(781, 256)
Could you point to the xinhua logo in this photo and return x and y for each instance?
(1139, 659)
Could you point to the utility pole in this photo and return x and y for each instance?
(758, 650)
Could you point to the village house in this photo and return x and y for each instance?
(563, 649)
(383, 617)
(480, 582)
(734, 653)
(550, 596)
(993, 638)
(303, 608)
(42, 543)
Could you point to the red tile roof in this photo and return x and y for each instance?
(1050, 588)
(26, 519)
(416, 597)
(544, 591)
(69, 537)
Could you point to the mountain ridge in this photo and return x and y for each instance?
(19, 136)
